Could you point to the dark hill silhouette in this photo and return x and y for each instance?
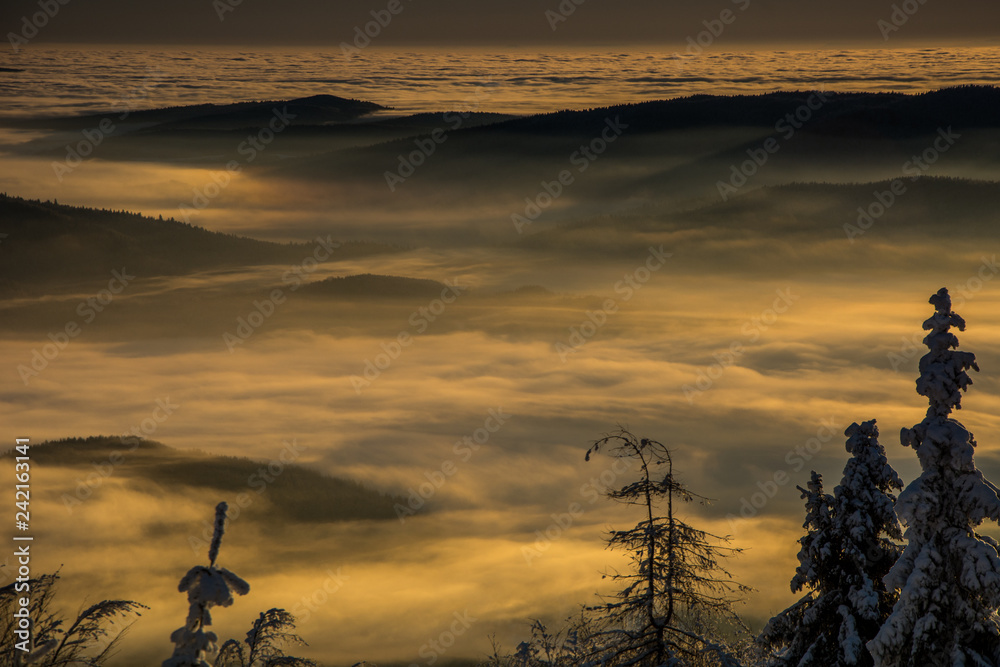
(217, 144)
(967, 106)
(52, 244)
(888, 113)
(297, 493)
(212, 133)
(314, 110)
(689, 143)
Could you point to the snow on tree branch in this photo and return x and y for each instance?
(206, 587)
(948, 575)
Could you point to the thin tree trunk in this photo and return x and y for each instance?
(651, 573)
(671, 556)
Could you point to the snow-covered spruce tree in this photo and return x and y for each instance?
(677, 590)
(796, 636)
(206, 587)
(865, 519)
(847, 550)
(948, 574)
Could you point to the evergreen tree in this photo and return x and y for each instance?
(206, 587)
(949, 574)
(847, 550)
(797, 635)
(869, 531)
(678, 591)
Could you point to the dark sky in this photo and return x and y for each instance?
(503, 23)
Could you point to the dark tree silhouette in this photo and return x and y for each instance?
(265, 642)
(678, 588)
(88, 641)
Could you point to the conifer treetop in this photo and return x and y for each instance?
(943, 375)
(206, 587)
(816, 546)
(948, 575)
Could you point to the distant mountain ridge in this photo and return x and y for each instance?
(312, 110)
(293, 492)
(211, 133)
(50, 243)
(687, 145)
(965, 106)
